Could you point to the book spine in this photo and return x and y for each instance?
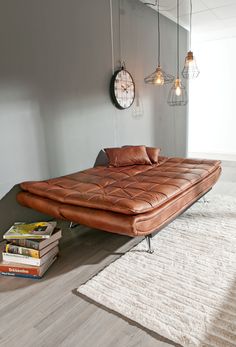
(21, 259)
(13, 249)
(13, 274)
(18, 270)
(26, 243)
(26, 236)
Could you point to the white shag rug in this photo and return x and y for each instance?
(186, 290)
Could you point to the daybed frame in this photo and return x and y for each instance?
(132, 224)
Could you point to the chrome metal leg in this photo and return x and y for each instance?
(73, 225)
(204, 199)
(148, 239)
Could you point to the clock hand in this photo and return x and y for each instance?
(129, 85)
(126, 87)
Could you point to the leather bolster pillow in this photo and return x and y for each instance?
(152, 152)
(131, 155)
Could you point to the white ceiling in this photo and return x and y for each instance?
(212, 19)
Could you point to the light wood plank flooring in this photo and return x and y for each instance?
(48, 313)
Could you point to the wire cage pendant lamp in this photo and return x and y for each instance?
(190, 70)
(159, 77)
(177, 95)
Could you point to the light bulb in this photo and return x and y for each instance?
(178, 90)
(190, 62)
(159, 79)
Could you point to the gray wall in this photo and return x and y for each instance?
(55, 68)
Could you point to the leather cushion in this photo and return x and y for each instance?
(152, 152)
(130, 189)
(126, 156)
(133, 225)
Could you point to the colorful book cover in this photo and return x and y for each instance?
(20, 270)
(38, 244)
(33, 244)
(23, 259)
(38, 230)
(13, 249)
(30, 252)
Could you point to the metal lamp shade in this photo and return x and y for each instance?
(159, 77)
(177, 95)
(190, 70)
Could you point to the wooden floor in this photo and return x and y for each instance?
(48, 313)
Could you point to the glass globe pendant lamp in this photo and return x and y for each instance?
(177, 95)
(159, 77)
(190, 70)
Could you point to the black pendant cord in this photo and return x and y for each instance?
(119, 34)
(177, 39)
(157, 3)
(120, 53)
(159, 34)
(190, 25)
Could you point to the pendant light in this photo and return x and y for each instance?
(178, 94)
(190, 70)
(159, 77)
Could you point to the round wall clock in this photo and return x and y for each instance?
(122, 89)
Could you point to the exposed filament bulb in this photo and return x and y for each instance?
(178, 90)
(159, 79)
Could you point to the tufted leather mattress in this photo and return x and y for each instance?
(133, 200)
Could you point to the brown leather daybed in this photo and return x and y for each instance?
(134, 200)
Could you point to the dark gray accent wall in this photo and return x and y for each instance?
(55, 69)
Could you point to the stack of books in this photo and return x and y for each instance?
(30, 249)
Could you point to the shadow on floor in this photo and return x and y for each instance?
(78, 247)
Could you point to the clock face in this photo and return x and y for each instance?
(122, 89)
